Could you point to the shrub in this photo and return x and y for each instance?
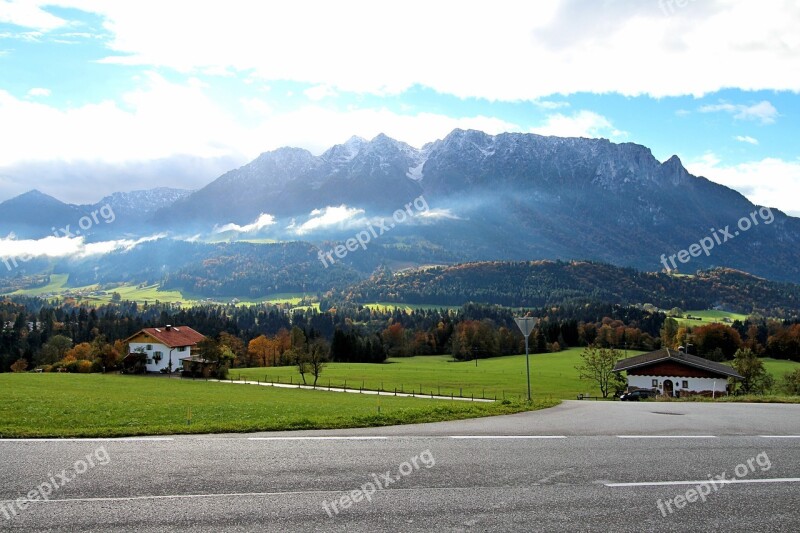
(20, 365)
(791, 382)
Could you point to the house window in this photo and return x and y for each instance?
(655, 383)
(182, 348)
(149, 347)
(149, 361)
(685, 384)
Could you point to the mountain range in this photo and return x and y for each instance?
(508, 197)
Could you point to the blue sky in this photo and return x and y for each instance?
(97, 96)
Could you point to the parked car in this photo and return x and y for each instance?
(639, 394)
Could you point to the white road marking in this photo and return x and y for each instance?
(108, 439)
(705, 482)
(666, 436)
(508, 437)
(170, 497)
(780, 436)
(317, 438)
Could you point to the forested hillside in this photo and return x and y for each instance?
(541, 283)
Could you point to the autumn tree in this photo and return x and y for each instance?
(668, 332)
(82, 351)
(394, 338)
(259, 350)
(711, 337)
(235, 345)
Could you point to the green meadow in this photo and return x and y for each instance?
(553, 375)
(709, 317)
(111, 405)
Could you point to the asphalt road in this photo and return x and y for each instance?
(583, 466)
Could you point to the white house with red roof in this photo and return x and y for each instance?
(163, 348)
(674, 373)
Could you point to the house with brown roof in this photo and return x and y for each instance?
(163, 349)
(675, 373)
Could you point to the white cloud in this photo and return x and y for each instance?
(256, 106)
(319, 92)
(537, 48)
(770, 182)
(746, 139)
(82, 153)
(328, 217)
(264, 220)
(438, 213)
(55, 247)
(763, 111)
(550, 104)
(158, 119)
(28, 15)
(580, 124)
(39, 91)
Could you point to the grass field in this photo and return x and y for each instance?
(779, 367)
(134, 293)
(96, 405)
(57, 283)
(553, 375)
(709, 317)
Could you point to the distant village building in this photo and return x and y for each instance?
(674, 373)
(162, 349)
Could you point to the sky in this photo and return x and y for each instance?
(101, 96)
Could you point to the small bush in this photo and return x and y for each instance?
(791, 382)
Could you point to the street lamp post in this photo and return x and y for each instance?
(526, 325)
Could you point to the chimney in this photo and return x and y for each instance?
(169, 327)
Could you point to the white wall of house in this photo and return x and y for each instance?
(678, 383)
(158, 355)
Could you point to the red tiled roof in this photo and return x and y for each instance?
(173, 337)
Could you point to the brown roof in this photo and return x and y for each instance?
(173, 336)
(666, 354)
